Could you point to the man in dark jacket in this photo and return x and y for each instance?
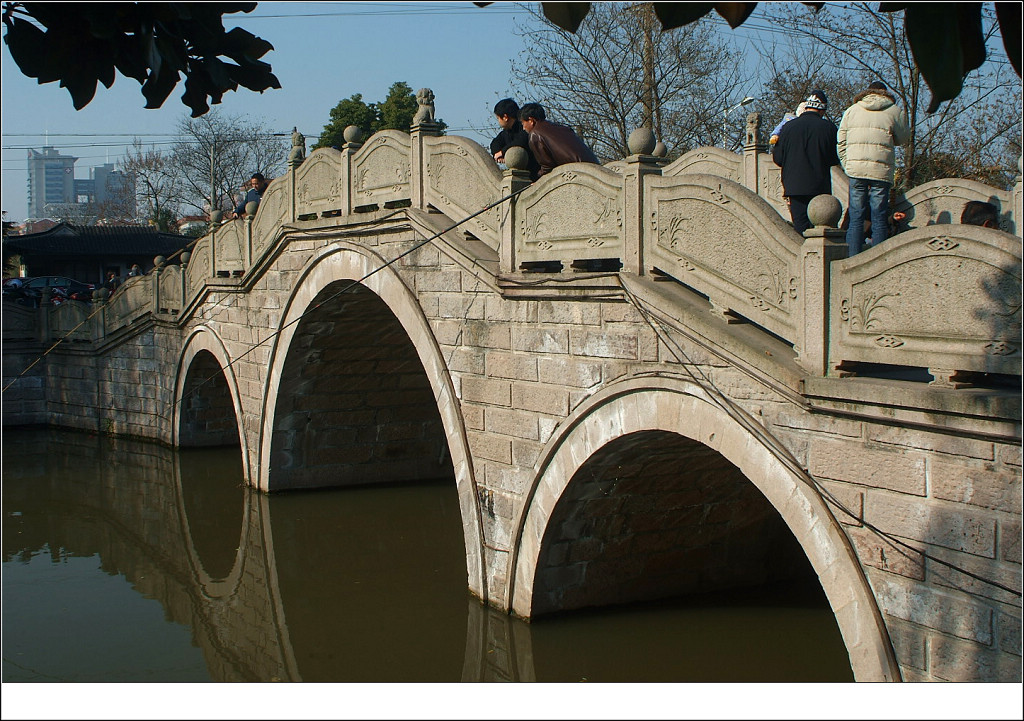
(253, 195)
(553, 144)
(806, 152)
(512, 134)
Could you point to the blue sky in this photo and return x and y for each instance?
(323, 52)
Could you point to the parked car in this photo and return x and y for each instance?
(30, 290)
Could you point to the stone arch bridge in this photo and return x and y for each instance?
(642, 380)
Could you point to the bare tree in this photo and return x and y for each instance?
(619, 71)
(218, 153)
(976, 135)
(156, 183)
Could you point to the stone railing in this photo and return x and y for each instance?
(713, 220)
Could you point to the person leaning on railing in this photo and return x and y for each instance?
(253, 195)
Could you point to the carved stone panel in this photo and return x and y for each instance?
(573, 213)
(272, 214)
(170, 288)
(67, 321)
(318, 183)
(462, 179)
(724, 241)
(950, 300)
(381, 170)
(710, 161)
(198, 268)
(941, 202)
(230, 242)
(131, 301)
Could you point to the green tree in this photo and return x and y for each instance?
(394, 113)
(350, 111)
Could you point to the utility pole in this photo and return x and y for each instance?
(651, 112)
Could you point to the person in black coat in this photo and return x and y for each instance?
(512, 133)
(806, 152)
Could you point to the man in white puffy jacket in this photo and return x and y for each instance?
(869, 132)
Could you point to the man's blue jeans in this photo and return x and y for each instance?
(864, 194)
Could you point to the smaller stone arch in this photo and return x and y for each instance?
(204, 340)
(682, 407)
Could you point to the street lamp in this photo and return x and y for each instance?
(725, 117)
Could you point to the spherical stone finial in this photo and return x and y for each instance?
(641, 141)
(516, 158)
(353, 134)
(660, 150)
(158, 262)
(250, 208)
(100, 294)
(185, 257)
(216, 216)
(824, 211)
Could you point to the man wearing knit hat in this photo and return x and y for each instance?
(869, 132)
(806, 152)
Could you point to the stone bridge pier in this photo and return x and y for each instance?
(643, 382)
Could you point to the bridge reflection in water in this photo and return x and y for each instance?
(355, 585)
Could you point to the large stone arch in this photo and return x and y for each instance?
(345, 261)
(682, 407)
(200, 341)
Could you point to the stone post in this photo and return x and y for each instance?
(100, 297)
(158, 267)
(418, 162)
(295, 158)
(639, 164)
(250, 215)
(183, 277)
(1018, 199)
(823, 243)
(215, 221)
(353, 135)
(44, 314)
(154, 278)
(753, 146)
(514, 178)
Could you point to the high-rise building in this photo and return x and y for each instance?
(113, 189)
(51, 179)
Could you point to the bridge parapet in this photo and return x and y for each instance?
(944, 297)
(712, 220)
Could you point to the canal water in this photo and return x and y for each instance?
(125, 561)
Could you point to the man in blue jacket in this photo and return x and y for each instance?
(254, 194)
(806, 152)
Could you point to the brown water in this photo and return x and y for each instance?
(127, 561)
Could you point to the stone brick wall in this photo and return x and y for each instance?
(958, 500)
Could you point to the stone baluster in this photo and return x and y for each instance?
(1018, 199)
(158, 267)
(640, 164)
(215, 221)
(353, 137)
(515, 177)
(100, 297)
(44, 314)
(250, 215)
(295, 158)
(823, 243)
(418, 164)
(753, 147)
(183, 278)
